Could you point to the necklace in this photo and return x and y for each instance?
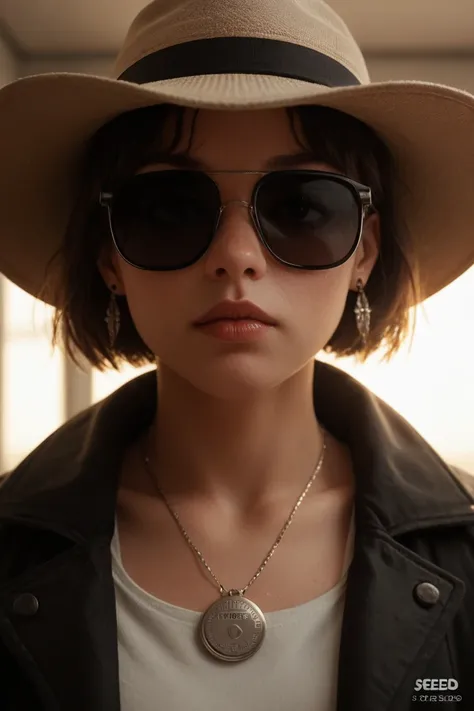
(233, 628)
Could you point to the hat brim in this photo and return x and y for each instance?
(46, 120)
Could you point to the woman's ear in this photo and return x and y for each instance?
(109, 270)
(367, 251)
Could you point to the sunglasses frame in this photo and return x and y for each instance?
(362, 194)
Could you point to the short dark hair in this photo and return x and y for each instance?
(120, 148)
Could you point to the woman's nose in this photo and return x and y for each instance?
(236, 244)
(240, 202)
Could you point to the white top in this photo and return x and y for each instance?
(163, 667)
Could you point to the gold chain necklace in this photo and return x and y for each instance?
(233, 628)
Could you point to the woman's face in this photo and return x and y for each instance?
(308, 305)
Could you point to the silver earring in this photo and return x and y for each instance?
(113, 318)
(362, 311)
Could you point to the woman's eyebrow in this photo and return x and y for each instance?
(183, 160)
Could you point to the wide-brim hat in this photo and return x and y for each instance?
(222, 54)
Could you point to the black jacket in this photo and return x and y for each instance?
(409, 613)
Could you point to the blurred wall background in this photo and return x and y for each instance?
(431, 384)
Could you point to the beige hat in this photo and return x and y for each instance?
(229, 54)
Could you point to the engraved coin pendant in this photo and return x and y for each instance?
(233, 628)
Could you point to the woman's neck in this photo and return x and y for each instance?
(242, 453)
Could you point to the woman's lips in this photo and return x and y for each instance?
(236, 329)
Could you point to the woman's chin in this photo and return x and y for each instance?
(235, 381)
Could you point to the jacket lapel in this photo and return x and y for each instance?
(56, 524)
(67, 649)
(64, 496)
(387, 636)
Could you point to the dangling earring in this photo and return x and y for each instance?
(113, 318)
(362, 311)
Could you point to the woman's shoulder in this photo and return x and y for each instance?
(3, 477)
(464, 478)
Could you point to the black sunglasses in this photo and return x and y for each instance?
(166, 220)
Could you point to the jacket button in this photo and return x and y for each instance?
(427, 594)
(25, 605)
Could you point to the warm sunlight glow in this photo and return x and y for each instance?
(431, 385)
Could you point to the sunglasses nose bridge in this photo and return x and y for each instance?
(249, 207)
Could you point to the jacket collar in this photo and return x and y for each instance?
(69, 482)
(69, 485)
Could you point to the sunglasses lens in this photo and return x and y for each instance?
(308, 220)
(165, 219)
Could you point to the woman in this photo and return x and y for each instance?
(243, 526)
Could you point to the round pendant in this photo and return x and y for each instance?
(233, 628)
